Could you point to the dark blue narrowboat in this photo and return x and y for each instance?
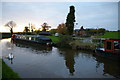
(30, 39)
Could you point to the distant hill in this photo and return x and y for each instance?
(113, 35)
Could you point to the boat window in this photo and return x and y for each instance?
(29, 38)
(32, 38)
(117, 45)
(36, 39)
(109, 45)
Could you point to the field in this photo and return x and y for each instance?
(113, 35)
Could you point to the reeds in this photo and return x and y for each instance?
(82, 45)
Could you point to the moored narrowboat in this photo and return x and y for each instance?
(30, 39)
(111, 49)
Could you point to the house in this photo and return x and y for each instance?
(76, 31)
(80, 32)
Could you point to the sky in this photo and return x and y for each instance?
(87, 14)
(59, 0)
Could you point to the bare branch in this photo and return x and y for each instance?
(10, 24)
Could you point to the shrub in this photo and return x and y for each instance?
(64, 41)
(81, 45)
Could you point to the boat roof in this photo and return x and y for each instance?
(31, 35)
(113, 39)
(36, 36)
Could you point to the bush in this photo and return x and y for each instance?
(83, 46)
(96, 40)
(64, 41)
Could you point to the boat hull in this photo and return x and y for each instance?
(109, 55)
(31, 42)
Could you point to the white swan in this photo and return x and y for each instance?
(10, 56)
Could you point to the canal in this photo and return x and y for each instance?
(42, 62)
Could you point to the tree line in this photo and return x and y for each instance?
(68, 26)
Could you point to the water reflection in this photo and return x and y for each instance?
(57, 62)
(38, 48)
(69, 59)
(11, 60)
(110, 67)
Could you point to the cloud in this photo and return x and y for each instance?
(98, 15)
(0, 15)
(88, 14)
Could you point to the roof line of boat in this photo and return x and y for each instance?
(29, 35)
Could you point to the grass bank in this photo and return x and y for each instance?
(82, 45)
(54, 39)
(66, 41)
(0, 68)
(61, 41)
(113, 35)
(8, 73)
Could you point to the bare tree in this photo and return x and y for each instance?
(45, 27)
(32, 27)
(11, 24)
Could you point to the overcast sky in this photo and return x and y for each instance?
(88, 14)
(59, 0)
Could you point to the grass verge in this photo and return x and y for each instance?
(113, 35)
(0, 68)
(8, 73)
(54, 39)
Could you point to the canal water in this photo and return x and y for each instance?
(42, 62)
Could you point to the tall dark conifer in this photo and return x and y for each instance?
(70, 20)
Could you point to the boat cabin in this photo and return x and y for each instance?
(112, 45)
(34, 38)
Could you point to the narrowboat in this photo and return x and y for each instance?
(30, 39)
(111, 49)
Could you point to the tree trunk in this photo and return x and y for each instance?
(11, 30)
